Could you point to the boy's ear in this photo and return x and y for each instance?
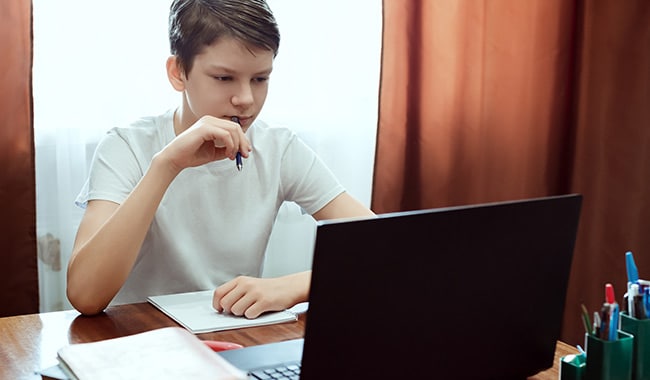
(175, 73)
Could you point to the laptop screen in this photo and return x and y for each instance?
(472, 291)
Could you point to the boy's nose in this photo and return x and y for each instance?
(244, 96)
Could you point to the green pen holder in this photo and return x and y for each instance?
(640, 329)
(572, 367)
(609, 359)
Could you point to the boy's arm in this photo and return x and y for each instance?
(109, 239)
(110, 235)
(343, 206)
(251, 296)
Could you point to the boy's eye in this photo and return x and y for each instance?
(261, 79)
(223, 78)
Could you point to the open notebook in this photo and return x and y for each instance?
(166, 353)
(469, 292)
(194, 311)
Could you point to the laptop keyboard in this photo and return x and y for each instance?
(282, 372)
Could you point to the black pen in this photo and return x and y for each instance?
(238, 159)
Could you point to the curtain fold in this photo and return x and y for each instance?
(19, 278)
(473, 97)
(612, 161)
(484, 101)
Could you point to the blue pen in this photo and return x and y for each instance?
(238, 159)
(632, 278)
(630, 266)
(613, 322)
(646, 301)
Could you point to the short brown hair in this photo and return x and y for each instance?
(195, 24)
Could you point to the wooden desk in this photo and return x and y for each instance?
(28, 343)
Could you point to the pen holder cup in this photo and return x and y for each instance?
(572, 367)
(609, 359)
(640, 329)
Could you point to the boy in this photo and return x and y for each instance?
(167, 211)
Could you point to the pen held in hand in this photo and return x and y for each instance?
(238, 158)
(238, 161)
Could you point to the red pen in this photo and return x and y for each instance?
(609, 294)
(611, 309)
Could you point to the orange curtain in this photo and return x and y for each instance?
(19, 277)
(489, 100)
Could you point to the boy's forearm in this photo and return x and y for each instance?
(301, 283)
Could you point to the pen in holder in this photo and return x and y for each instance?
(609, 359)
(640, 329)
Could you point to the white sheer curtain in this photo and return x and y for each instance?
(101, 64)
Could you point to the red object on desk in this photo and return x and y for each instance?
(609, 293)
(218, 345)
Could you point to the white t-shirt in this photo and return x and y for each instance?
(213, 222)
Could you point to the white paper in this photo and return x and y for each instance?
(194, 311)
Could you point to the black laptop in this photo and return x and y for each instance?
(468, 292)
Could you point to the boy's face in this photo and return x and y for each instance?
(228, 79)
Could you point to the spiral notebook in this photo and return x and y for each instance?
(194, 311)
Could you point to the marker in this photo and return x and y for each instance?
(238, 159)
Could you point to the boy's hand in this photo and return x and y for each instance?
(209, 139)
(250, 297)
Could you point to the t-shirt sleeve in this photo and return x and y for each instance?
(306, 179)
(114, 172)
